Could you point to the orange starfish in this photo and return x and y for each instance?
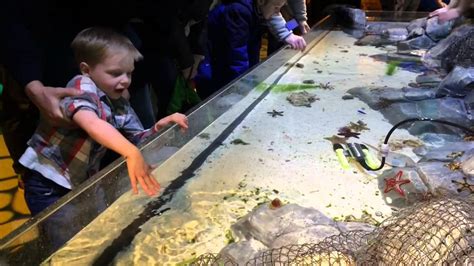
(395, 182)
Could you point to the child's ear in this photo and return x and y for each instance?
(84, 68)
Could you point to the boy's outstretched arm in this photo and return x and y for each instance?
(106, 135)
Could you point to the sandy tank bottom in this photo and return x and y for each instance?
(283, 157)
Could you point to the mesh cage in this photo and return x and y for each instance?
(439, 231)
(214, 260)
(334, 250)
(434, 232)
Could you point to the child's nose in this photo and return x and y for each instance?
(125, 80)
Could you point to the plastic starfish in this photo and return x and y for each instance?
(275, 113)
(395, 182)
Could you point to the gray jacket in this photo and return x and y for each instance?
(277, 24)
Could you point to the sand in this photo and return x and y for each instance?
(286, 157)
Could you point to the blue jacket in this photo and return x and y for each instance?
(235, 31)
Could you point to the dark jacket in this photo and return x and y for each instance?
(165, 24)
(36, 35)
(235, 31)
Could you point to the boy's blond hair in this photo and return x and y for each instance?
(93, 45)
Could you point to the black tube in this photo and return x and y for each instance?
(410, 120)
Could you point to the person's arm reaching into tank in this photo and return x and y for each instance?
(108, 136)
(298, 8)
(454, 9)
(277, 26)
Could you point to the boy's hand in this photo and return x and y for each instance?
(296, 42)
(140, 171)
(177, 118)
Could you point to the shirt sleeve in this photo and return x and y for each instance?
(298, 8)
(277, 26)
(86, 101)
(133, 129)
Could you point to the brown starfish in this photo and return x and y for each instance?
(453, 166)
(347, 133)
(395, 183)
(359, 126)
(464, 185)
(326, 86)
(336, 140)
(469, 138)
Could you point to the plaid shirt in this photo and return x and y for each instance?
(69, 156)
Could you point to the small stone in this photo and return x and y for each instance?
(347, 97)
(378, 214)
(308, 81)
(300, 65)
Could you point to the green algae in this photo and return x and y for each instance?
(287, 87)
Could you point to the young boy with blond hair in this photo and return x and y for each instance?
(60, 158)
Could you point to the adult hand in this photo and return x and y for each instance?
(438, 11)
(47, 100)
(296, 42)
(304, 27)
(189, 73)
(450, 14)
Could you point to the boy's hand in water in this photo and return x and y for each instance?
(296, 42)
(139, 171)
(177, 118)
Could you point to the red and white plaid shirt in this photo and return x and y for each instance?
(69, 156)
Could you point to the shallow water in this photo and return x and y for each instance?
(283, 157)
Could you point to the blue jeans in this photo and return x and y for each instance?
(59, 226)
(41, 192)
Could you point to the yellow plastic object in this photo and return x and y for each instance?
(370, 160)
(341, 157)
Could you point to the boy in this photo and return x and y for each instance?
(60, 158)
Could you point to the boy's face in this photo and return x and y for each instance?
(271, 7)
(113, 75)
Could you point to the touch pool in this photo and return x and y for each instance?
(265, 139)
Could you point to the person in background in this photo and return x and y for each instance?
(281, 34)
(431, 5)
(454, 9)
(59, 158)
(235, 31)
(174, 36)
(406, 5)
